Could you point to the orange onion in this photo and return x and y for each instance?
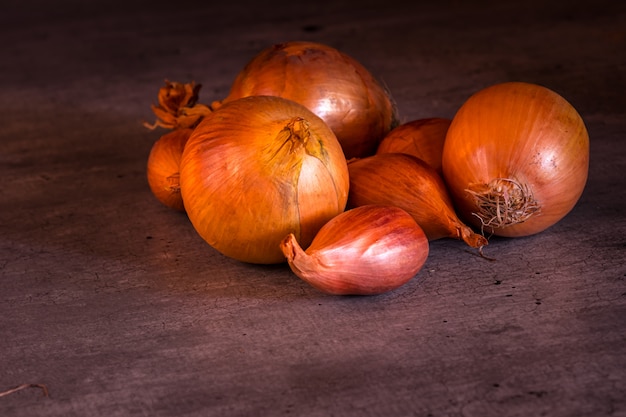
(257, 169)
(516, 158)
(422, 138)
(164, 165)
(331, 84)
(407, 182)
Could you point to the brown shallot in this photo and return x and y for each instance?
(407, 182)
(422, 138)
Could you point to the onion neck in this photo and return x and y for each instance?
(299, 261)
(473, 239)
(294, 136)
(298, 131)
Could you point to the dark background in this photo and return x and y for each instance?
(115, 303)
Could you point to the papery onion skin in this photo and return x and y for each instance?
(178, 106)
(422, 138)
(331, 84)
(516, 159)
(367, 250)
(257, 169)
(163, 167)
(407, 182)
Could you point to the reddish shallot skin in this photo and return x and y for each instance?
(516, 159)
(367, 250)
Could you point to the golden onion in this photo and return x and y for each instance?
(257, 169)
(163, 167)
(331, 84)
(516, 158)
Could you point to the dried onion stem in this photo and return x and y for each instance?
(503, 202)
(173, 183)
(178, 106)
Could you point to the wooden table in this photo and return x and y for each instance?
(116, 305)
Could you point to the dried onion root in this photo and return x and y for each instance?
(503, 202)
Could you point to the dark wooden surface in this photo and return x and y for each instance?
(115, 303)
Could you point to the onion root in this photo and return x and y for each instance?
(503, 202)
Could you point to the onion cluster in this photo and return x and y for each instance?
(304, 163)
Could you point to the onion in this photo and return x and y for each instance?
(164, 165)
(516, 158)
(407, 182)
(328, 82)
(364, 251)
(422, 138)
(257, 169)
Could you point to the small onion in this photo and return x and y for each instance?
(404, 181)
(257, 169)
(422, 138)
(516, 158)
(331, 84)
(164, 165)
(363, 251)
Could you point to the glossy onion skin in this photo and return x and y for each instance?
(367, 250)
(328, 82)
(248, 181)
(523, 132)
(164, 165)
(422, 138)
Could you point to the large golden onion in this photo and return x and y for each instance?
(331, 84)
(516, 158)
(257, 169)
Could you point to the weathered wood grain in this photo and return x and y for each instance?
(116, 304)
